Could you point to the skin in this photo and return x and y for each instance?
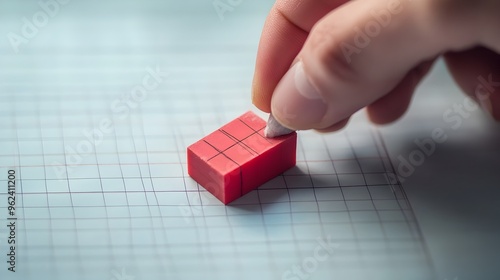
(383, 74)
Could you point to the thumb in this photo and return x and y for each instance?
(357, 54)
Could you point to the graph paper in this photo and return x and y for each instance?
(96, 132)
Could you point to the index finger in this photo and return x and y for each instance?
(285, 31)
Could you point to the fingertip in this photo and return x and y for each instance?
(389, 108)
(296, 104)
(394, 105)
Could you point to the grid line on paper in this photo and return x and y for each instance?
(147, 178)
(419, 235)
(371, 199)
(78, 256)
(170, 257)
(99, 166)
(51, 236)
(199, 206)
(20, 172)
(323, 232)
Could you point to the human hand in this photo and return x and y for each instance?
(347, 55)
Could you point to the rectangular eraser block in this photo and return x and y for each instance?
(237, 158)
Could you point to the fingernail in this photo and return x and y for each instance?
(296, 103)
(483, 98)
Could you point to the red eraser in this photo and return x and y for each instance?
(237, 158)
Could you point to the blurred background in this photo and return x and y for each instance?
(61, 60)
